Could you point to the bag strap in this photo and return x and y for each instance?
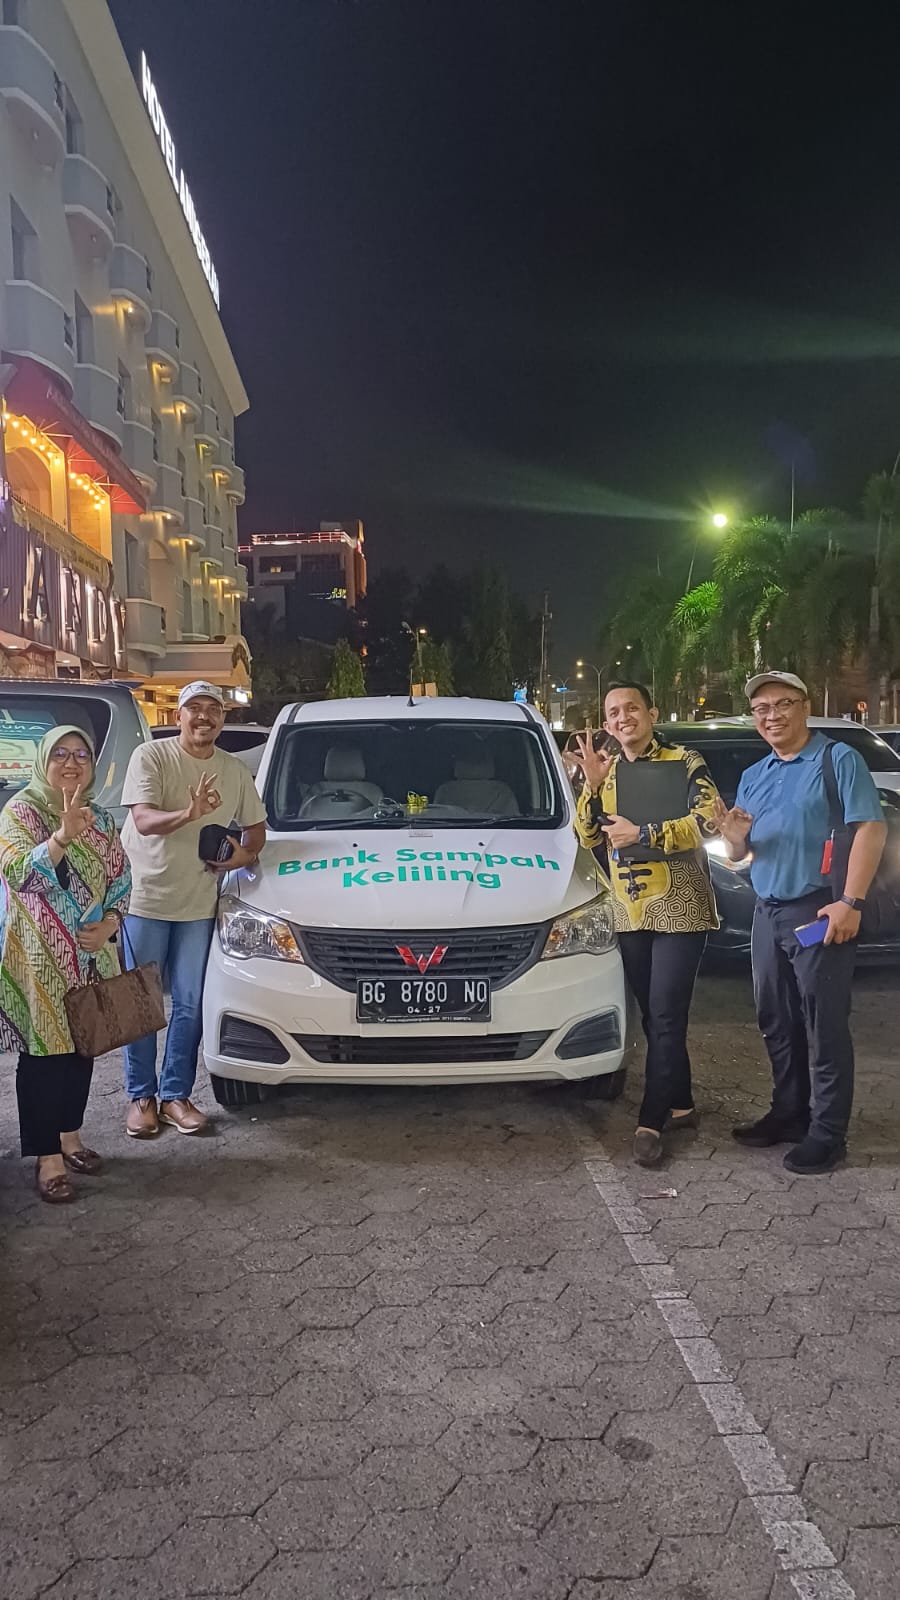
(832, 795)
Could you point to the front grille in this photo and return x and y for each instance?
(247, 1041)
(333, 1049)
(500, 954)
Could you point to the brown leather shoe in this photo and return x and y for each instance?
(56, 1191)
(85, 1161)
(648, 1147)
(142, 1121)
(182, 1115)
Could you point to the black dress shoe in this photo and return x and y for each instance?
(814, 1155)
(767, 1131)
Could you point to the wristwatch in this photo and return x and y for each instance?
(855, 905)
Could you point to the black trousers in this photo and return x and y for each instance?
(661, 969)
(803, 998)
(52, 1092)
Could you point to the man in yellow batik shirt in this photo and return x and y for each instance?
(652, 806)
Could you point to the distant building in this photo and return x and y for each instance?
(306, 582)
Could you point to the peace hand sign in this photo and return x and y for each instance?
(75, 819)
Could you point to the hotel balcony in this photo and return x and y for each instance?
(186, 392)
(194, 523)
(137, 451)
(167, 498)
(33, 92)
(145, 627)
(161, 343)
(36, 325)
(128, 284)
(236, 488)
(215, 552)
(88, 202)
(206, 430)
(95, 395)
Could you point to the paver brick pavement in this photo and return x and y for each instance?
(365, 1344)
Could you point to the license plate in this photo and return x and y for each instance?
(423, 1000)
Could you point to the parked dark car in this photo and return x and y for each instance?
(246, 740)
(729, 748)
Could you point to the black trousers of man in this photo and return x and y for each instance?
(803, 997)
(661, 969)
(52, 1092)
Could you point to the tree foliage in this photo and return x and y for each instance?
(347, 680)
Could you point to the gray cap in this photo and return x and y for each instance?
(790, 678)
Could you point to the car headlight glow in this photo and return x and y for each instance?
(586, 932)
(245, 932)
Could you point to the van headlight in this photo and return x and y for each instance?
(246, 932)
(585, 932)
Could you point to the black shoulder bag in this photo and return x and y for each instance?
(880, 915)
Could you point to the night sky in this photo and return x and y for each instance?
(540, 280)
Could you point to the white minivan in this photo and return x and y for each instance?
(422, 911)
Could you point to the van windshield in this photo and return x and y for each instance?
(389, 774)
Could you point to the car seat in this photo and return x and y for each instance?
(345, 768)
(474, 788)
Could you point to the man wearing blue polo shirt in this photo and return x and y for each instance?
(781, 818)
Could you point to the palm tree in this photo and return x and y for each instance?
(644, 621)
(881, 504)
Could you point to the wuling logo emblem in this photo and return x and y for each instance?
(422, 962)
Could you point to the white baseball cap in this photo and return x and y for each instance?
(192, 691)
(790, 678)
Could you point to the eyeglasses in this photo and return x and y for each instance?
(62, 754)
(777, 708)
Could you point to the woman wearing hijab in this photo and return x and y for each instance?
(64, 885)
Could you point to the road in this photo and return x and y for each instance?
(447, 1344)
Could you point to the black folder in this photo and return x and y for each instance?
(650, 791)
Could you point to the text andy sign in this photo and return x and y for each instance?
(46, 597)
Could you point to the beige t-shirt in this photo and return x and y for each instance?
(169, 881)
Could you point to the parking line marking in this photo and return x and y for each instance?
(801, 1549)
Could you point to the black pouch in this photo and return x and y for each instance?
(217, 843)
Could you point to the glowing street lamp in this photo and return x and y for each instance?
(718, 520)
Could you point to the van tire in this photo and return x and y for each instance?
(234, 1092)
(606, 1086)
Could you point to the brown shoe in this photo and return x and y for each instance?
(85, 1161)
(56, 1191)
(648, 1147)
(182, 1115)
(142, 1121)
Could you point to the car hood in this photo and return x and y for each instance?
(419, 878)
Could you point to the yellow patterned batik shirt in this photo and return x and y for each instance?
(672, 895)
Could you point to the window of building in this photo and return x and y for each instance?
(24, 244)
(155, 425)
(84, 332)
(182, 468)
(69, 330)
(14, 13)
(206, 619)
(149, 274)
(59, 92)
(278, 563)
(123, 392)
(187, 622)
(177, 337)
(74, 128)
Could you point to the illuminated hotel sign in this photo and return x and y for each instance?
(176, 173)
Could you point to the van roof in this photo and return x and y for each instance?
(396, 708)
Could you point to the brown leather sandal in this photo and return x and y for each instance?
(56, 1191)
(84, 1161)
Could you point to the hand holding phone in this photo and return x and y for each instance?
(810, 933)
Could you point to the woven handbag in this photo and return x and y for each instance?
(105, 1013)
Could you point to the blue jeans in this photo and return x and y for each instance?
(181, 950)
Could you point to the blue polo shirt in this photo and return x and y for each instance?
(791, 820)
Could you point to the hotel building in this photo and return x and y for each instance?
(118, 483)
(301, 580)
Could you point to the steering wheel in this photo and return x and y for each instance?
(342, 796)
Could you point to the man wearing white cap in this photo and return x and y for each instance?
(173, 788)
(783, 819)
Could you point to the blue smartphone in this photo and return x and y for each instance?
(812, 932)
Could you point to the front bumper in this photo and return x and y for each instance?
(533, 1017)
